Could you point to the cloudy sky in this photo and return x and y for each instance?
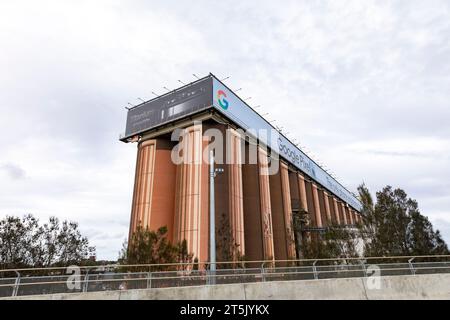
(364, 85)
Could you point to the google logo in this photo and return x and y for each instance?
(221, 98)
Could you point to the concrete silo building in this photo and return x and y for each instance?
(265, 179)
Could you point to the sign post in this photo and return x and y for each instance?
(212, 221)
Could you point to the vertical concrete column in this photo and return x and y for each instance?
(302, 191)
(143, 185)
(163, 194)
(252, 209)
(278, 217)
(336, 211)
(188, 207)
(344, 215)
(317, 206)
(323, 213)
(287, 209)
(327, 207)
(266, 213)
(153, 206)
(311, 207)
(305, 201)
(204, 206)
(235, 190)
(295, 193)
(350, 214)
(332, 209)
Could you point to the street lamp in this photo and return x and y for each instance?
(212, 218)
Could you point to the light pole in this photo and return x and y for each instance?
(212, 218)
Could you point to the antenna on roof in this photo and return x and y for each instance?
(130, 104)
(181, 82)
(167, 89)
(196, 76)
(226, 78)
(141, 99)
(247, 99)
(155, 94)
(256, 107)
(237, 90)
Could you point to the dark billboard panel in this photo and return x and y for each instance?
(175, 105)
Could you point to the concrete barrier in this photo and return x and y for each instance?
(435, 286)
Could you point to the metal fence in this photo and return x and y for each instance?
(36, 281)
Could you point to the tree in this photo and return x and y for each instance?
(227, 248)
(331, 242)
(300, 220)
(24, 243)
(394, 226)
(153, 247)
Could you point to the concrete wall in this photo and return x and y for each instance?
(394, 287)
